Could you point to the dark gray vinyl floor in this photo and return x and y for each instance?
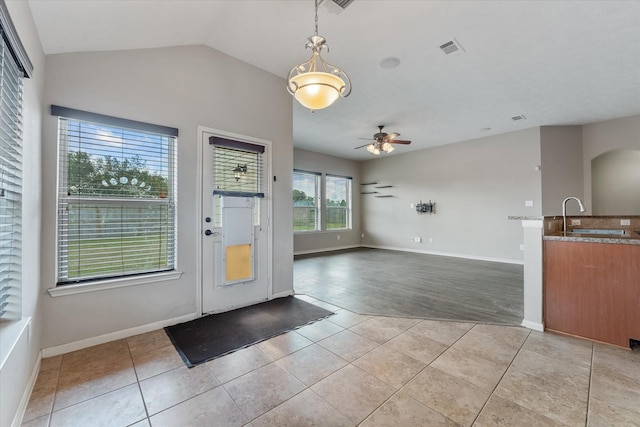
(395, 283)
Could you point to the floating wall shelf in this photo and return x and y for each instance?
(385, 186)
(384, 195)
(368, 192)
(368, 183)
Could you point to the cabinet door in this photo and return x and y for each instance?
(592, 290)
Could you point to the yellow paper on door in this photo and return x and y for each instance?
(238, 263)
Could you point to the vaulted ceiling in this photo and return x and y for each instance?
(555, 62)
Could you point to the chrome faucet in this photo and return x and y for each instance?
(564, 210)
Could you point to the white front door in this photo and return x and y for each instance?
(234, 222)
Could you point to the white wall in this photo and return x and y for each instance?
(23, 345)
(181, 87)
(562, 176)
(327, 240)
(601, 137)
(615, 182)
(475, 184)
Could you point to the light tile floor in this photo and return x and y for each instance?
(347, 370)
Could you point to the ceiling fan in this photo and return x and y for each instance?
(382, 142)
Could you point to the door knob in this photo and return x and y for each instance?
(207, 232)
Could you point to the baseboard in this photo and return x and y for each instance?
(317, 251)
(422, 251)
(125, 333)
(17, 419)
(533, 325)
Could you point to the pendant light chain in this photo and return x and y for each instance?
(316, 17)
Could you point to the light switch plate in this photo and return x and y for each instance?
(576, 222)
(625, 222)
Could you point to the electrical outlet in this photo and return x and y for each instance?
(625, 222)
(430, 239)
(522, 247)
(338, 237)
(362, 236)
(528, 203)
(417, 239)
(576, 222)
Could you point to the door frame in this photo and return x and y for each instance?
(201, 143)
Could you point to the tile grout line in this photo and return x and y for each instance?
(273, 361)
(235, 403)
(413, 377)
(138, 381)
(501, 378)
(593, 354)
(306, 386)
(55, 393)
(135, 371)
(90, 398)
(355, 366)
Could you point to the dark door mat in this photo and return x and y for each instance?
(215, 335)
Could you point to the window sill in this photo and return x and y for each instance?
(101, 285)
(10, 333)
(333, 230)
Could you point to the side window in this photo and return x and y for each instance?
(306, 198)
(116, 198)
(338, 202)
(14, 67)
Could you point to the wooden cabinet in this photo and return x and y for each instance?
(592, 290)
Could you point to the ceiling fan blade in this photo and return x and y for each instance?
(393, 135)
(355, 148)
(399, 141)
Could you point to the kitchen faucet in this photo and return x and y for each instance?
(564, 210)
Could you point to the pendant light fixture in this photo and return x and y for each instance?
(239, 171)
(317, 84)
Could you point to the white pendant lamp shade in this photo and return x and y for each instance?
(316, 90)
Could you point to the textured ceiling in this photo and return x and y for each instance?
(555, 62)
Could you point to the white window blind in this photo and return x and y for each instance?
(116, 198)
(238, 171)
(10, 184)
(306, 201)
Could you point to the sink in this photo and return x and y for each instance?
(599, 231)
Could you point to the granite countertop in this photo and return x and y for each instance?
(633, 238)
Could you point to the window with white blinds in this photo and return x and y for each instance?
(14, 66)
(10, 184)
(238, 171)
(116, 197)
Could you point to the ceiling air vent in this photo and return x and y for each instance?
(516, 118)
(335, 6)
(451, 47)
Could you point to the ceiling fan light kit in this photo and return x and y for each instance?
(373, 149)
(317, 84)
(382, 142)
